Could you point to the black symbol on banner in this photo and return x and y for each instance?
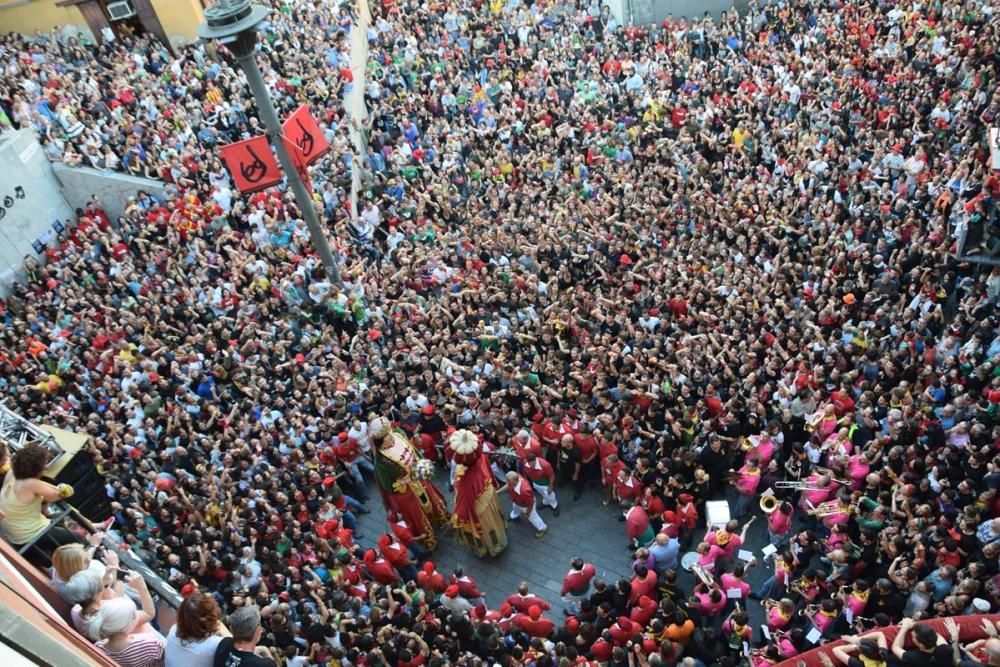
(19, 192)
(306, 142)
(8, 201)
(254, 171)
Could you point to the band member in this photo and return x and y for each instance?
(525, 443)
(779, 614)
(576, 584)
(522, 496)
(637, 525)
(610, 468)
(543, 479)
(747, 481)
(779, 524)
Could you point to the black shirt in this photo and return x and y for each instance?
(941, 656)
(228, 656)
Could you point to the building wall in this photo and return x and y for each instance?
(113, 189)
(27, 16)
(180, 18)
(31, 201)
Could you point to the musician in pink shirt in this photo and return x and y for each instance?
(746, 483)
(734, 581)
(708, 554)
(822, 489)
(707, 602)
(779, 523)
(780, 615)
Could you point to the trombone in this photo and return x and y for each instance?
(799, 485)
(829, 473)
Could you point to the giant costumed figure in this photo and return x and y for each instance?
(404, 481)
(479, 522)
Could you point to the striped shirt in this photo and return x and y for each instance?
(143, 650)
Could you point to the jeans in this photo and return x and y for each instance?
(771, 589)
(355, 468)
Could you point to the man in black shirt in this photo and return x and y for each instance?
(241, 649)
(930, 649)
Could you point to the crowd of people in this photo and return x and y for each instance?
(702, 259)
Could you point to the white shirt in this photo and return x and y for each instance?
(180, 653)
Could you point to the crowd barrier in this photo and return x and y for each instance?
(970, 629)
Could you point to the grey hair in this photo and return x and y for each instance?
(84, 586)
(243, 623)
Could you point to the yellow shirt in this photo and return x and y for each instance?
(739, 137)
(22, 521)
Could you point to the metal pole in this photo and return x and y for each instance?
(265, 109)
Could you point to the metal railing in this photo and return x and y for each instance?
(161, 591)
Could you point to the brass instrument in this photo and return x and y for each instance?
(769, 504)
(829, 473)
(800, 485)
(703, 574)
(829, 508)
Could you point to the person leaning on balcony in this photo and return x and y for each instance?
(193, 641)
(69, 559)
(24, 497)
(118, 627)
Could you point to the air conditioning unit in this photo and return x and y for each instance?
(120, 10)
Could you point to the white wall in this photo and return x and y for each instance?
(30, 198)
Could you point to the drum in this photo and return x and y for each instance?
(689, 559)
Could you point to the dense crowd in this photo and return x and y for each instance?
(686, 261)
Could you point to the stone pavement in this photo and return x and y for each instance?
(584, 528)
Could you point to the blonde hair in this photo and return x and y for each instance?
(68, 559)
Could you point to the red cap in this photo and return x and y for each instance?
(300, 358)
(428, 409)
(994, 396)
(283, 596)
(342, 436)
(153, 377)
(429, 567)
(328, 481)
(534, 611)
(625, 259)
(451, 591)
(187, 590)
(572, 624)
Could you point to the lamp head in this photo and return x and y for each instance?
(232, 23)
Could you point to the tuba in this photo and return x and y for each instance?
(768, 504)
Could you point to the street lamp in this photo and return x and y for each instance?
(233, 23)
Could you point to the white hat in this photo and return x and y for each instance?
(981, 605)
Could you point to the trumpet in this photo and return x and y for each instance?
(703, 574)
(769, 504)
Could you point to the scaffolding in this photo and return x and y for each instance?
(16, 432)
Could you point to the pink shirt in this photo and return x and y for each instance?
(731, 581)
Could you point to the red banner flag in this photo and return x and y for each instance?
(302, 130)
(301, 165)
(252, 164)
